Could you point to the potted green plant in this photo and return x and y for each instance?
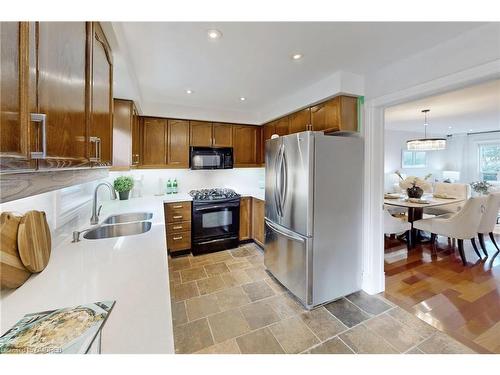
(123, 185)
(480, 187)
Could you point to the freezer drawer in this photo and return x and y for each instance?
(287, 256)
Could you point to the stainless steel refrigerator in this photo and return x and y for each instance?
(313, 214)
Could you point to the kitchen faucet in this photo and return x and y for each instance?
(95, 212)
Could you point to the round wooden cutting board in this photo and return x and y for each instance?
(33, 241)
(13, 274)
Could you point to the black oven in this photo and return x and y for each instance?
(211, 158)
(216, 225)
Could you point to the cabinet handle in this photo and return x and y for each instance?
(177, 238)
(40, 118)
(177, 227)
(177, 217)
(97, 148)
(178, 206)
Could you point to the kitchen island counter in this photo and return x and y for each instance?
(132, 270)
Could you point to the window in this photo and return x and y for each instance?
(413, 159)
(489, 161)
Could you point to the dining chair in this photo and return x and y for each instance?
(489, 220)
(394, 225)
(459, 191)
(462, 225)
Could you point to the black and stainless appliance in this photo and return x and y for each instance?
(215, 220)
(211, 158)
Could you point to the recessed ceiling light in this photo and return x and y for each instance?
(297, 56)
(471, 130)
(189, 91)
(214, 34)
(243, 98)
(449, 127)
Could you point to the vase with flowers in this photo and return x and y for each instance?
(414, 186)
(480, 187)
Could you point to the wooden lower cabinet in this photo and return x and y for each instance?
(245, 218)
(258, 211)
(178, 226)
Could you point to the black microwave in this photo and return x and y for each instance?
(211, 158)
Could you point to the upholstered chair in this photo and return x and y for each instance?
(394, 225)
(460, 191)
(489, 220)
(462, 225)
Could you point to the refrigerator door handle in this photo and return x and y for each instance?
(284, 186)
(277, 182)
(285, 233)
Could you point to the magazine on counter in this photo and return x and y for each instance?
(69, 330)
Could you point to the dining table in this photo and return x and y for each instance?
(416, 210)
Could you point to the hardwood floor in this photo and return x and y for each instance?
(461, 301)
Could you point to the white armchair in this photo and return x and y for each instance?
(393, 225)
(462, 225)
(461, 191)
(489, 220)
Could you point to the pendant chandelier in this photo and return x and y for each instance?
(426, 144)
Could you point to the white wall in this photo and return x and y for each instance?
(462, 154)
(395, 142)
(70, 208)
(154, 180)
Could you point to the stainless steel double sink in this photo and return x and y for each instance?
(121, 225)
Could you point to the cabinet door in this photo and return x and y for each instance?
(154, 150)
(325, 116)
(268, 130)
(348, 114)
(61, 66)
(101, 125)
(201, 133)
(283, 126)
(222, 135)
(258, 208)
(245, 145)
(136, 137)
(122, 133)
(300, 121)
(178, 143)
(245, 218)
(14, 107)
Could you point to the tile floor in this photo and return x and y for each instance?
(225, 303)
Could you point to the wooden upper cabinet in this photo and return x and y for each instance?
(178, 143)
(339, 113)
(283, 126)
(222, 135)
(136, 137)
(14, 116)
(101, 86)
(300, 121)
(154, 147)
(348, 113)
(61, 50)
(245, 143)
(201, 133)
(268, 130)
(124, 115)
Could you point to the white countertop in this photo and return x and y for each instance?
(132, 270)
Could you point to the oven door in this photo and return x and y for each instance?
(216, 219)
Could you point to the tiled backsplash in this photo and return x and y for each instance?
(70, 208)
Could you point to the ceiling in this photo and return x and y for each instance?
(253, 59)
(471, 109)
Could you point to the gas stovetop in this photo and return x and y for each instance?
(213, 194)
